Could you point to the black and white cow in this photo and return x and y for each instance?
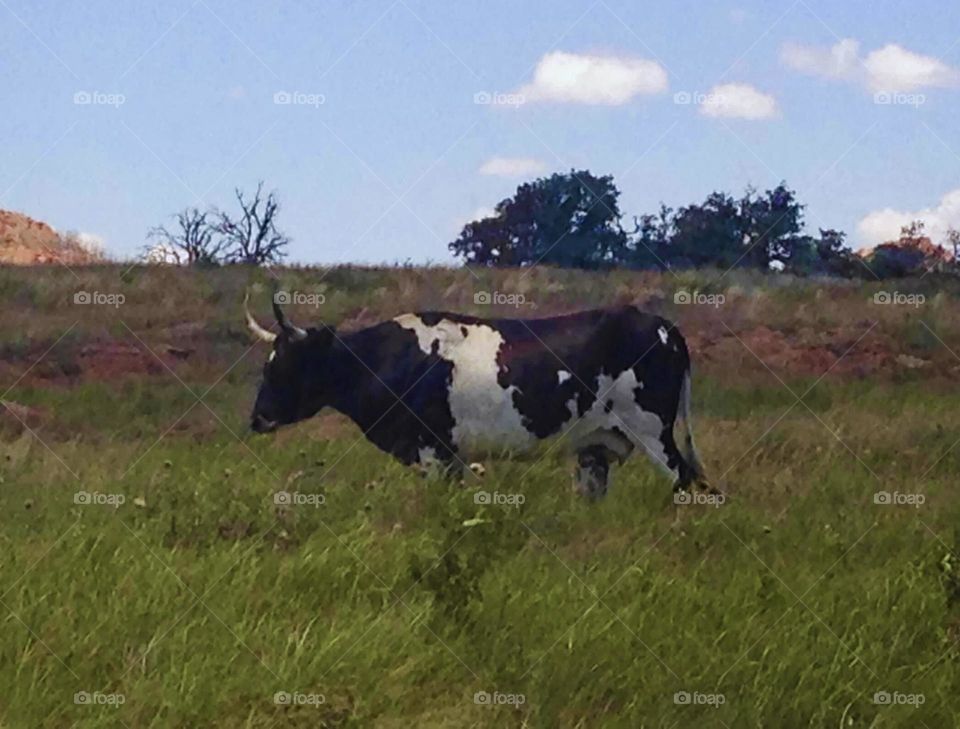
(453, 388)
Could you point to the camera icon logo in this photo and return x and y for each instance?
(482, 297)
(83, 98)
(682, 297)
(482, 498)
(683, 498)
(482, 698)
(282, 698)
(681, 97)
(882, 698)
(682, 698)
(81, 497)
(282, 297)
(82, 297)
(282, 498)
(882, 97)
(282, 97)
(482, 97)
(882, 497)
(882, 297)
(81, 697)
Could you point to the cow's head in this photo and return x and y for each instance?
(292, 388)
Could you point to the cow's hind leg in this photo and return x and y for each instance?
(685, 470)
(593, 471)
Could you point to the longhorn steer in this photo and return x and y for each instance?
(450, 388)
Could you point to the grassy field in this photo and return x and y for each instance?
(149, 578)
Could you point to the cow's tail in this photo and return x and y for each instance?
(687, 449)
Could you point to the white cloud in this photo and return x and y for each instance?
(883, 225)
(738, 101)
(892, 68)
(593, 79)
(512, 166)
(840, 61)
(92, 243)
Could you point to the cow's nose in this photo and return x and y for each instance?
(260, 424)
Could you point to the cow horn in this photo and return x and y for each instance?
(291, 329)
(258, 331)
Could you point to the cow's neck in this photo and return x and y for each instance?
(358, 393)
(348, 381)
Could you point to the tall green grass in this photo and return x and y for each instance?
(399, 598)
(396, 600)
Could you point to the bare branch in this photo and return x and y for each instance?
(253, 238)
(191, 241)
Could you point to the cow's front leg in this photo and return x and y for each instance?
(593, 471)
(439, 459)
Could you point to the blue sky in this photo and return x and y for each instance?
(384, 152)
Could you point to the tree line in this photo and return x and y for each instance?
(573, 220)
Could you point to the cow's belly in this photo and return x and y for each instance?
(488, 422)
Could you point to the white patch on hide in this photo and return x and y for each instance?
(663, 334)
(640, 427)
(483, 412)
(428, 456)
(563, 376)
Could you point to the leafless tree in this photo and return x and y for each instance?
(193, 239)
(253, 238)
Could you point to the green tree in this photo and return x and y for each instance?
(755, 231)
(647, 245)
(771, 224)
(827, 255)
(567, 220)
(708, 234)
